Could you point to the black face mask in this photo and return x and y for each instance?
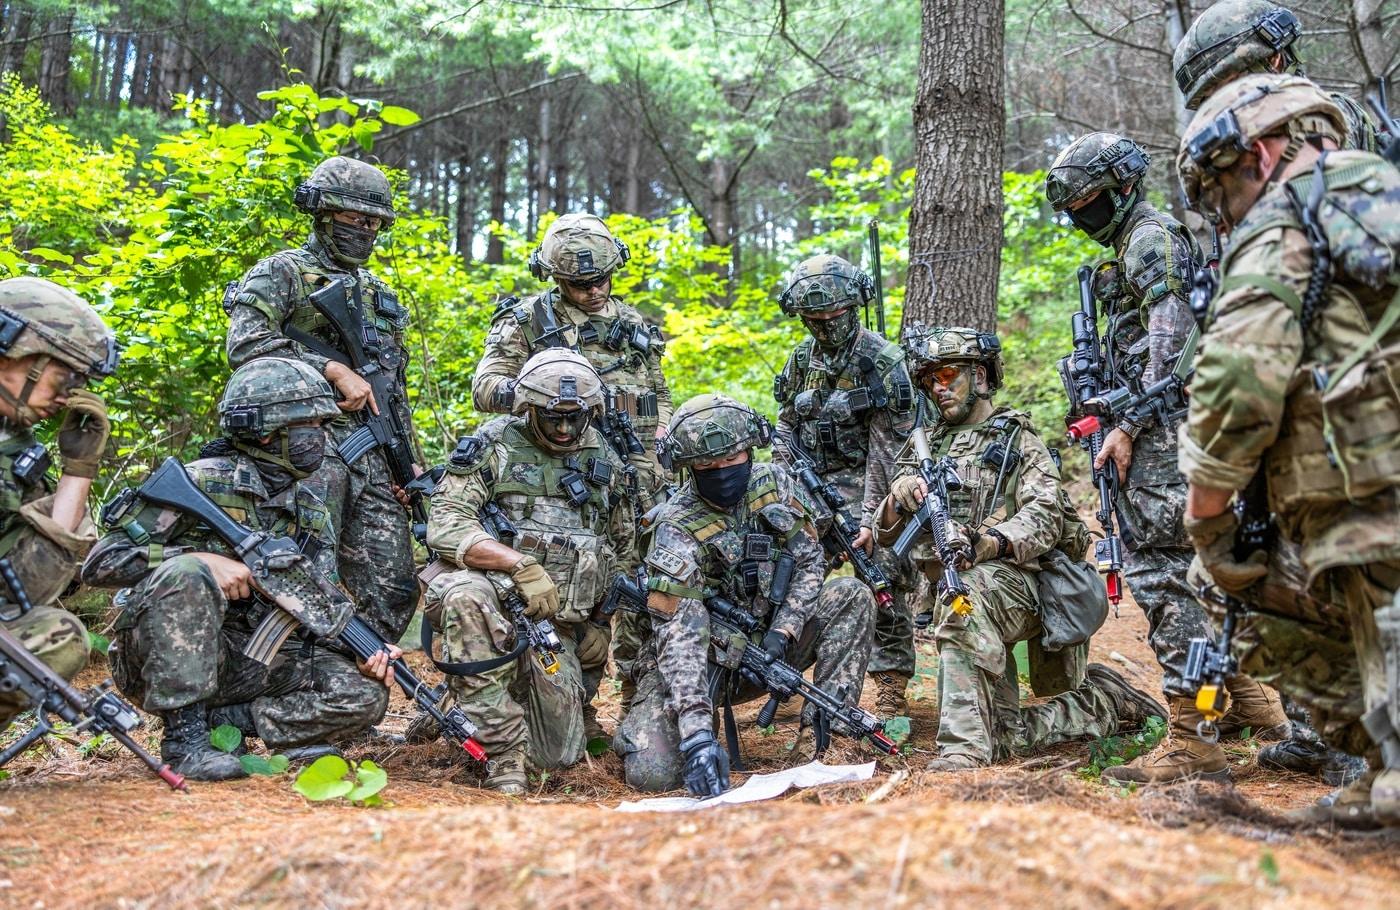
(723, 487)
(1095, 217)
(350, 244)
(832, 333)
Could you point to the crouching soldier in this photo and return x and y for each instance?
(534, 514)
(189, 611)
(1007, 513)
(732, 529)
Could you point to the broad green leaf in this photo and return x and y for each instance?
(264, 765)
(43, 252)
(598, 745)
(369, 780)
(324, 779)
(398, 116)
(225, 737)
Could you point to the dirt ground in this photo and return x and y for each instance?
(99, 832)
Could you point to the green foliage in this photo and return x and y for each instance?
(264, 765)
(598, 745)
(898, 729)
(225, 737)
(331, 777)
(1119, 750)
(1268, 865)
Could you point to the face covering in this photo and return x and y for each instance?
(293, 453)
(723, 487)
(832, 333)
(1100, 219)
(347, 243)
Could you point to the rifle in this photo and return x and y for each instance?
(279, 570)
(1390, 147)
(932, 516)
(1084, 374)
(1210, 663)
(782, 681)
(1163, 401)
(538, 635)
(100, 711)
(879, 281)
(385, 430)
(840, 539)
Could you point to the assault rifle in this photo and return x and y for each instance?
(874, 236)
(1210, 663)
(361, 342)
(1390, 141)
(933, 517)
(538, 635)
(1163, 401)
(1085, 376)
(782, 681)
(99, 711)
(839, 541)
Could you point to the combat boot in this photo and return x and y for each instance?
(506, 772)
(1181, 756)
(238, 715)
(1314, 758)
(309, 753)
(956, 762)
(184, 745)
(1133, 707)
(1255, 707)
(890, 686)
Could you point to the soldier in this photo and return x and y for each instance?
(270, 315)
(1008, 518)
(1143, 293)
(1233, 38)
(189, 610)
(1296, 376)
(52, 344)
(580, 255)
(845, 396)
(561, 491)
(723, 533)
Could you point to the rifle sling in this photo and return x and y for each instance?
(475, 667)
(316, 345)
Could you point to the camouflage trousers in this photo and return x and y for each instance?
(1157, 577)
(893, 646)
(516, 705)
(375, 554)
(179, 642)
(979, 701)
(56, 637)
(835, 643)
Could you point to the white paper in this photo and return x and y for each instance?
(759, 787)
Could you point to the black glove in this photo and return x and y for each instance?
(775, 645)
(706, 765)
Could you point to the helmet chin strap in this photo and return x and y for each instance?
(24, 414)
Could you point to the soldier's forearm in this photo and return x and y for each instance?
(484, 393)
(70, 501)
(491, 556)
(1206, 502)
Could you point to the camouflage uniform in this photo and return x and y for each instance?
(850, 405)
(1315, 406)
(582, 548)
(45, 319)
(178, 641)
(375, 535)
(698, 550)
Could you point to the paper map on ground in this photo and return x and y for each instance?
(759, 787)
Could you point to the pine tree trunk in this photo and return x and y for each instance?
(955, 228)
(495, 248)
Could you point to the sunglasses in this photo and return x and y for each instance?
(588, 285)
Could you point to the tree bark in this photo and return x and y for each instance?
(955, 228)
(543, 150)
(495, 248)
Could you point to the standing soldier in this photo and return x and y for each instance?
(724, 533)
(270, 315)
(1233, 38)
(1297, 377)
(1008, 512)
(535, 509)
(579, 313)
(845, 397)
(52, 344)
(1144, 296)
(178, 643)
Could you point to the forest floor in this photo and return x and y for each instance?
(97, 831)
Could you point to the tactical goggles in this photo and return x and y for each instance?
(588, 284)
(1123, 159)
(944, 374)
(567, 424)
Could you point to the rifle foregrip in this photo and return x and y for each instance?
(768, 712)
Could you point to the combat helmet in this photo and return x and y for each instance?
(40, 317)
(269, 393)
(710, 427)
(1243, 111)
(343, 184)
(1091, 164)
(1230, 39)
(578, 248)
(558, 379)
(929, 346)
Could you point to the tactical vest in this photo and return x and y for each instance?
(24, 465)
(620, 349)
(1340, 435)
(834, 407)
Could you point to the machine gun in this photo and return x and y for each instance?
(1085, 376)
(782, 681)
(341, 305)
(933, 517)
(839, 541)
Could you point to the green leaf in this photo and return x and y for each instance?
(897, 729)
(98, 643)
(324, 779)
(265, 765)
(1269, 866)
(225, 737)
(398, 116)
(369, 780)
(43, 252)
(598, 745)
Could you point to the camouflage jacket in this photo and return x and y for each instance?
(1029, 509)
(44, 554)
(697, 552)
(832, 404)
(1319, 410)
(140, 536)
(582, 546)
(273, 294)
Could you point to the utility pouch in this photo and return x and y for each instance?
(599, 472)
(31, 464)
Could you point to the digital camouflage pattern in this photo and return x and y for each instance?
(278, 392)
(179, 641)
(581, 547)
(822, 284)
(345, 184)
(374, 533)
(578, 246)
(696, 552)
(711, 427)
(1093, 162)
(58, 323)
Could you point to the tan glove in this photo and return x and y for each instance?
(82, 437)
(1214, 540)
(908, 492)
(536, 587)
(592, 649)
